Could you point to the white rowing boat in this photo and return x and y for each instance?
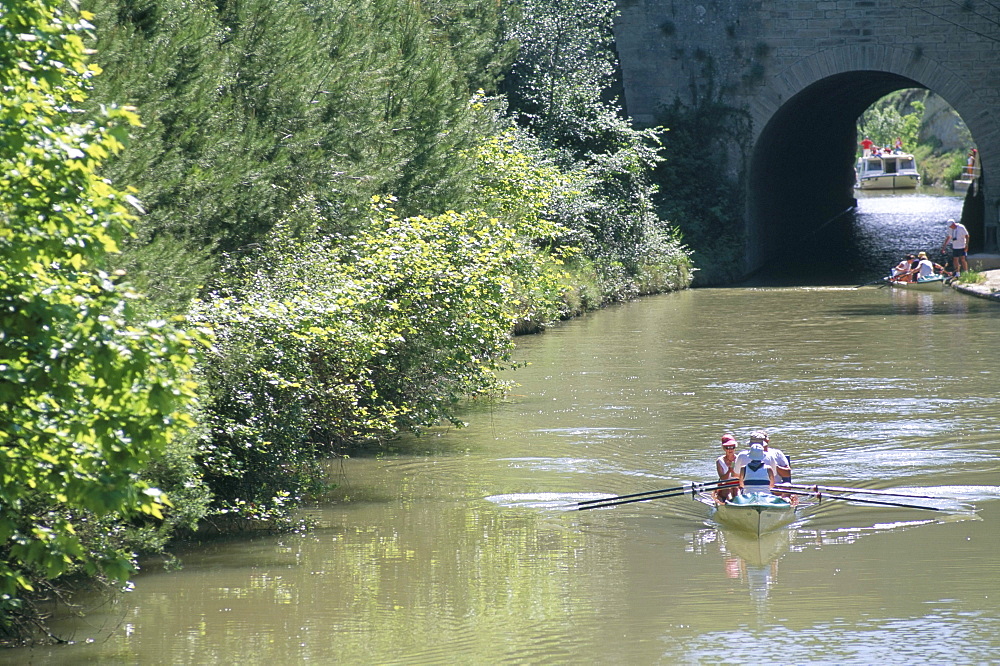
(935, 283)
(756, 513)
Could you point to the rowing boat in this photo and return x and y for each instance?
(935, 283)
(756, 513)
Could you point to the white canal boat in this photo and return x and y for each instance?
(889, 171)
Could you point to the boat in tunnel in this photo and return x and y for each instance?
(889, 171)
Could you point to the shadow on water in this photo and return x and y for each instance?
(861, 245)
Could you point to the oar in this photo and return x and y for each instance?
(685, 488)
(868, 284)
(856, 499)
(615, 501)
(862, 491)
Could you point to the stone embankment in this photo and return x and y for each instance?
(989, 265)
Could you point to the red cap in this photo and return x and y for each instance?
(727, 437)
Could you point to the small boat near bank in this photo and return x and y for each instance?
(889, 171)
(933, 284)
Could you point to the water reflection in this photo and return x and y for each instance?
(749, 560)
(753, 561)
(462, 549)
(861, 245)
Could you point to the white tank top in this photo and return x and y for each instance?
(756, 481)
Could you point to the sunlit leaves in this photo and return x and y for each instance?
(88, 400)
(883, 123)
(332, 341)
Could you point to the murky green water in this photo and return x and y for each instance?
(464, 552)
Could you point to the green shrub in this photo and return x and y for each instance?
(89, 395)
(327, 343)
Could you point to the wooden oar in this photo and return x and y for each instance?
(692, 489)
(862, 491)
(684, 488)
(856, 499)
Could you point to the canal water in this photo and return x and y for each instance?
(464, 548)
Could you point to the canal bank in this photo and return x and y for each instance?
(989, 266)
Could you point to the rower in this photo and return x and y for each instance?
(725, 466)
(775, 458)
(778, 460)
(901, 271)
(757, 476)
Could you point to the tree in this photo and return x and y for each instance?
(883, 122)
(560, 88)
(88, 398)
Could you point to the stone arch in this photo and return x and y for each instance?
(803, 139)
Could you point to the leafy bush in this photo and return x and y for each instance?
(558, 89)
(89, 398)
(328, 342)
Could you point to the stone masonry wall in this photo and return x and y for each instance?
(758, 54)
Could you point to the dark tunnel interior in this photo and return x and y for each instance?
(802, 167)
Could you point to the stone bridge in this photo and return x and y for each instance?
(797, 74)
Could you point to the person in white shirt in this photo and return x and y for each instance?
(780, 462)
(901, 271)
(925, 268)
(774, 458)
(757, 476)
(725, 465)
(958, 236)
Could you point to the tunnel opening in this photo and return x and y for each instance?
(801, 176)
(800, 197)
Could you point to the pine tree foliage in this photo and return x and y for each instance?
(249, 105)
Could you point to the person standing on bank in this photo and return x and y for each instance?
(958, 236)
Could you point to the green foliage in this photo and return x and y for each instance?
(88, 398)
(269, 127)
(559, 90)
(565, 64)
(972, 276)
(330, 342)
(883, 123)
(250, 106)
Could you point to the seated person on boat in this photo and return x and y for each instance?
(903, 271)
(925, 267)
(725, 465)
(774, 458)
(756, 476)
(921, 269)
